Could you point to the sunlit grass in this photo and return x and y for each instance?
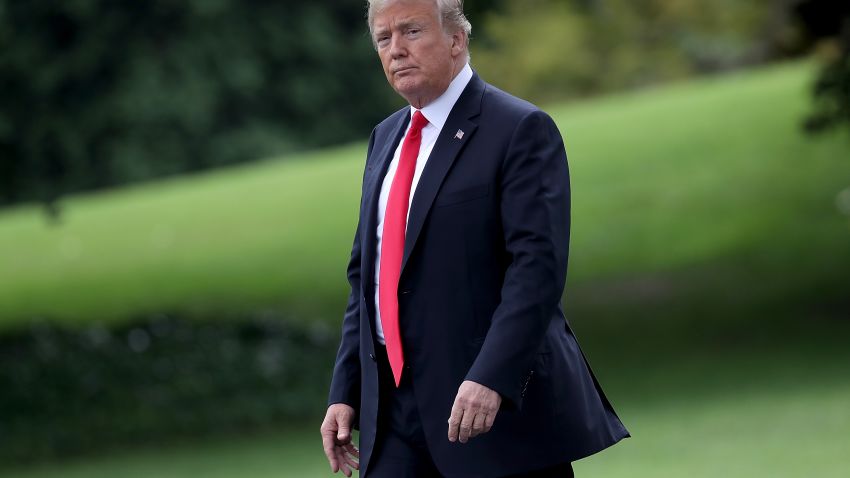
(712, 175)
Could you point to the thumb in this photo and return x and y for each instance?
(344, 430)
(343, 434)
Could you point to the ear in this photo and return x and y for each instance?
(458, 43)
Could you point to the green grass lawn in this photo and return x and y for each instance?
(702, 186)
(708, 279)
(732, 408)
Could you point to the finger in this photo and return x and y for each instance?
(352, 450)
(343, 429)
(466, 425)
(343, 464)
(454, 421)
(343, 434)
(330, 450)
(478, 424)
(348, 453)
(489, 419)
(350, 460)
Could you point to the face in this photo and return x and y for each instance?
(419, 58)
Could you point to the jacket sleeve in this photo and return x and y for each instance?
(535, 213)
(345, 383)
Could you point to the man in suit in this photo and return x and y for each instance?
(456, 359)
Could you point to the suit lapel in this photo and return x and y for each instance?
(376, 169)
(456, 132)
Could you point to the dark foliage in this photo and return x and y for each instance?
(96, 93)
(825, 19)
(832, 94)
(73, 391)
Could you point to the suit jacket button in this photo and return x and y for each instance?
(372, 356)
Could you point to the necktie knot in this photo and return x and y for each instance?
(417, 123)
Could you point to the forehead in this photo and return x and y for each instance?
(403, 12)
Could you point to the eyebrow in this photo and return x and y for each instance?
(402, 25)
(410, 23)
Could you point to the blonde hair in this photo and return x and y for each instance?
(451, 15)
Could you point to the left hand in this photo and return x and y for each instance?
(473, 412)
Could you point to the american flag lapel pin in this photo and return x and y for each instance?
(459, 134)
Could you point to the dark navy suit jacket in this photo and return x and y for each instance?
(483, 272)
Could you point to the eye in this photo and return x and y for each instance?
(382, 40)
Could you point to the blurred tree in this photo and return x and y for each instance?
(550, 49)
(535, 49)
(95, 93)
(829, 23)
(476, 10)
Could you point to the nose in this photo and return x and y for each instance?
(398, 46)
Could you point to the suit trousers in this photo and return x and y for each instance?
(401, 450)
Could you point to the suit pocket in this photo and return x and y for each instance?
(449, 198)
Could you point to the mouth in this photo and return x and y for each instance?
(403, 70)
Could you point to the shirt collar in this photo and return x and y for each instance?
(437, 112)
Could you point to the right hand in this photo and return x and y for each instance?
(336, 438)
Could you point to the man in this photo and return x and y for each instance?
(456, 359)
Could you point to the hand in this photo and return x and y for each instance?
(473, 412)
(336, 438)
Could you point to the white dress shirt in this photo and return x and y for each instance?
(436, 112)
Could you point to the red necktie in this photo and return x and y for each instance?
(392, 242)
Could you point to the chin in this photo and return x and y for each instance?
(407, 89)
